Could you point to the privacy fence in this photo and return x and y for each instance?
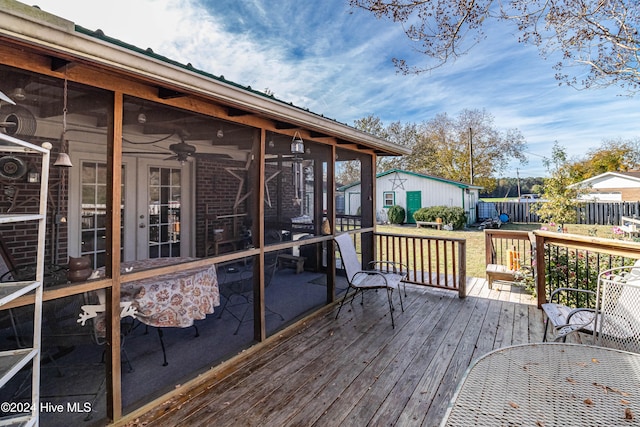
(601, 213)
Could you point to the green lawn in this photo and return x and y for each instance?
(475, 238)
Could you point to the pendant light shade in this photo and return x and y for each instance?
(63, 160)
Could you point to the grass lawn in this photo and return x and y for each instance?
(475, 238)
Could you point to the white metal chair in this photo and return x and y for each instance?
(617, 324)
(613, 315)
(360, 280)
(565, 319)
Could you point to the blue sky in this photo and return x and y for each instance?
(336, 61)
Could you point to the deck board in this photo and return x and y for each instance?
(358, 370)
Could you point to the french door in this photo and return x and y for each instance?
(155, 208)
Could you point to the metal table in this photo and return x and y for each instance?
(550, 384)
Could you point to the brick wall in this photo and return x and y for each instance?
(217, 190)
(19, 197)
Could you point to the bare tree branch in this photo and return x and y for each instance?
(597, 40)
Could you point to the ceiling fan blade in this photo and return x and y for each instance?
(5, 98)
(8, 124)
(163, 153)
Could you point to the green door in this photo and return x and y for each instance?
(414, 202)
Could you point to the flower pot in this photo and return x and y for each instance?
(79, 269)
(79, 275)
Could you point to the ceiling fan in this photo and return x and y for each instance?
(182, 151)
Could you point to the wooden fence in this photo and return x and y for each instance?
(600, 213)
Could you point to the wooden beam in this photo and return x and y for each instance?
(259, 310)
(285, 126)
(112, 268)
(164, 93)
(59, 64)
(236, 112)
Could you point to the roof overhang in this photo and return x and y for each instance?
(32, 26)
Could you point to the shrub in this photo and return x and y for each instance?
(396, 214)
(449, 215)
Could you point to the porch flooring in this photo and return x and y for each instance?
(357, 370)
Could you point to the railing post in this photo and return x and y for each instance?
(541, 290)
(462, 269)
(488, 247)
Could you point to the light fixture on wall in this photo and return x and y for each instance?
(33, 176)
(220, 133)
(297, 144)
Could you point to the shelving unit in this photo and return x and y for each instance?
(12, 361)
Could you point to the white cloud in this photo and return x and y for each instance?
(336, 63)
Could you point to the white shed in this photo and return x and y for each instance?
(413, 191)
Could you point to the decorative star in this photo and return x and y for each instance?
(267, 196)
(239, 196)
(397, 182)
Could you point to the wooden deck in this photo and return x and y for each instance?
(357, 370)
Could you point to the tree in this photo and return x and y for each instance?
(443, 148)
(561, 203)
(601, 35)
(612, 156)
(398, 133)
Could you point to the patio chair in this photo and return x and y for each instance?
(617, 324)
(611, 314)
(236, 286)
(360, 280)
(565, 319)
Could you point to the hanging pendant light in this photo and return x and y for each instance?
(297, 144)
(63, 159)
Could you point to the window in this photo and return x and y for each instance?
(389, 198)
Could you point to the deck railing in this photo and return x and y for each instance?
(348, 222)
(561, 259)
(431, 261)
(503, 246)
(571, 260)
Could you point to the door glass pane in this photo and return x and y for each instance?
(164, 212)
(93, 211)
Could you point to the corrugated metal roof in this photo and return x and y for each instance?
(33, 26)
(99, 34)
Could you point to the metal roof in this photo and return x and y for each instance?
(29, 24)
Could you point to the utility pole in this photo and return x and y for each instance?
(471, 156)
(518, 177)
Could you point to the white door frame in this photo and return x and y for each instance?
(132, 166)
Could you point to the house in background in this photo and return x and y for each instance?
(612, 187)
(413, 191)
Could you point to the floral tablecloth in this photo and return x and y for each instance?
(176, 299)
(170, 300)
